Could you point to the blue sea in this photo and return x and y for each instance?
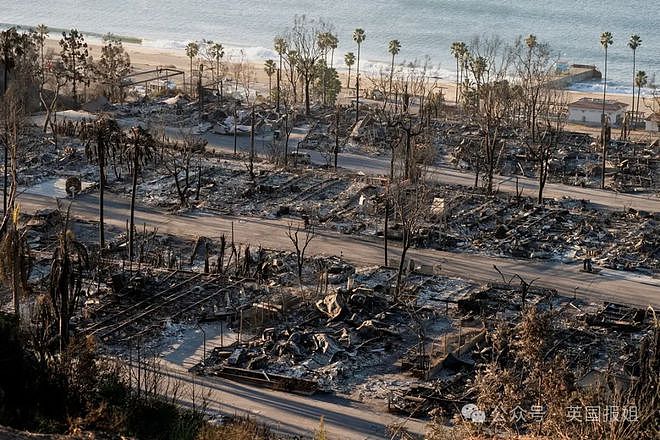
(424, 27)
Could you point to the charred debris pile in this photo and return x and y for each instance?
(334, 327)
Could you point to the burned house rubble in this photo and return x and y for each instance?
(459, 218)
(363, 324)
(340, 328)
(633, 166)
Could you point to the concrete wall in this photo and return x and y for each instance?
(575, 75)
(652, 126)
(592, 116)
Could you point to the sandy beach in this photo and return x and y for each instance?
(145, 57)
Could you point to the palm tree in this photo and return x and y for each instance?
(192, 49)
(100, 137)
(333, 43)
(270, 68)
(280, 47)
(634, 42)
(640, 81)
(349, 59)
(323, 43)
(140, 148)
(606, 41)
(217, 52)
(393, 48)
(358, 36)
(458, 50)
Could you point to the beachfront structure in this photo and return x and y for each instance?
(653, 122)
(588, 111)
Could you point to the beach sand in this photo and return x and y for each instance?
(144, 58)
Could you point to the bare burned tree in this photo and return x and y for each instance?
(20, 69)
(178, 158)
(303, 38)
(552, 116)
(55, 80)
(247, 78)
(389, 120)
(410, 127)
(405, 124)
(300, 238)
(238, 61)
(534, 65)
(278, 151)
(414, 84)
(469, 152)
(489, 97)
(381, 82)
(411, 204)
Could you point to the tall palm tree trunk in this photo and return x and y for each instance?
(323, 75)
(639, 93)
(357, 88)
(191, 77)
(603, 128)
(270, 88)
(389, 94)
(457, 81)
(279, 78)
(633, 96)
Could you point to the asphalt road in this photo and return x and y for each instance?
(284, 412)
(443, 173)
(447, 174)
(609, 285)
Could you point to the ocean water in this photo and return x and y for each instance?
(424, 27)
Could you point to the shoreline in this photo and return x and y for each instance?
(144, 57)
(257, 55)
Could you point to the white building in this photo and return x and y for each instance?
(653, 122)
(588, 111)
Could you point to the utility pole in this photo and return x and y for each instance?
(252, 144)
(387, 215)
(235, 132)
(336, 136)
(286, 134)
(200, 93)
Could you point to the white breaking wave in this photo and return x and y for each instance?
(612, 88)
(232, 52)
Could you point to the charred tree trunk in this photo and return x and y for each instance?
(252, 144)
(387, 215)
(404, 250)
(131, 228)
